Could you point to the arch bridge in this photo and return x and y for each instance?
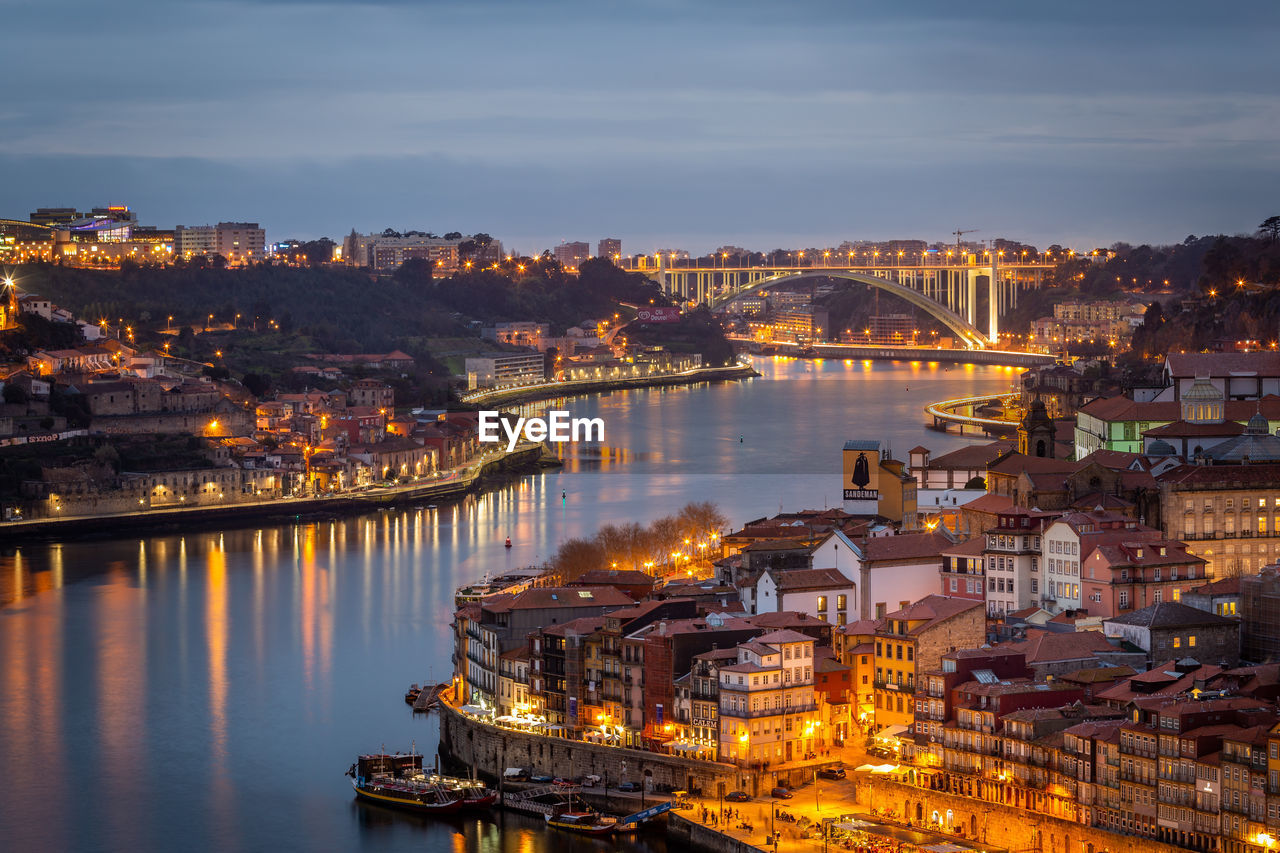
(947, 292)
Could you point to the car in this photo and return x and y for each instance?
(737, 796)
(831, 773)
(780, 793)
(628, 787)
(541, 777)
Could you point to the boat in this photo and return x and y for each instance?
(411, 695)
(508, 541)
(475, 795)
(583, 823)
(513, 582)
(398, 781)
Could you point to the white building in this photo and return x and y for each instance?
(502, 371)
(888, 572)
(238, 242)
(825, 594)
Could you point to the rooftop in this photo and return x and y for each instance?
(1171, 614)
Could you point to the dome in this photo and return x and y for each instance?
(1257, 425)
(1202, 391)
(1160, 447)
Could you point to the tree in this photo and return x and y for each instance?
(1271, 227)
(256, 384)
(318, 251)
(453, 235)
(414, 271)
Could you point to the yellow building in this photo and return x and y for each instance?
(914, 639)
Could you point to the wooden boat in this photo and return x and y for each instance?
(411, 695)
(475, 795)
(583, 823)
(398, 781)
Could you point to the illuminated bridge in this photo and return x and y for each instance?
(945, 290)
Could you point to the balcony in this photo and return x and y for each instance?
(903, 687)
(770, 712)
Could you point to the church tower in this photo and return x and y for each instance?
(1036, 432)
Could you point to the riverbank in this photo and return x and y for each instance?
(554, 390)
(903, 353)
(452, 486)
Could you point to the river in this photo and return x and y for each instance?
(206, 691)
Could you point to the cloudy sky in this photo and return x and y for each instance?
(668, 124)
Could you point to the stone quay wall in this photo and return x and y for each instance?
(490, 750)
(999, 825)
(693, 834)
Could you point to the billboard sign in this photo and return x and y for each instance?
(658, 315)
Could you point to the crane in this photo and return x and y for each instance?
(960, 234)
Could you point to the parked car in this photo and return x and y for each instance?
(831, 773)
(780, 793)
(737, 796)
(541, 777)
(628, 787)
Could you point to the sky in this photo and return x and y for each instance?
(668, 124)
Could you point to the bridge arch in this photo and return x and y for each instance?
(973, 337)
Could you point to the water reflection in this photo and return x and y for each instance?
(206, 691)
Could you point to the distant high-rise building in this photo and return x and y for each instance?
(388, 250)
(610, 248)
(55, 216)
(571, 255)
(192, 240)
(238, 242)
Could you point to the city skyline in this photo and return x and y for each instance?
(663, 124)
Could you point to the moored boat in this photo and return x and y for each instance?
(475, 795)
(398, 780)
(584, 823)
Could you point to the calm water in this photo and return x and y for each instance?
(207, 691)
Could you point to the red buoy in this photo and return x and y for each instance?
(508, 541)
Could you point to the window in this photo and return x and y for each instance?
(954, 585)
(1191, 641)
(1035, 564)
(1124, 599)
(842, 602)
(911, 652)
(1177, 642)
(822, 604)
(1035, 586)
(1262, 524)
(1157, 596)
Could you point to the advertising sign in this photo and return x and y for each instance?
(658, 315)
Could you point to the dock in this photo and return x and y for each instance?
(429, 698)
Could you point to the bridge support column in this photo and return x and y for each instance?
(993, 302)
(971, 297)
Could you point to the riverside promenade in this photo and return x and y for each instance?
(451, 484)
(555, 390)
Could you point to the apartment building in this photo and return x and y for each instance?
(768, 713)
(914, 639)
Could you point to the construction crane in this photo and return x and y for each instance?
(960, 234)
